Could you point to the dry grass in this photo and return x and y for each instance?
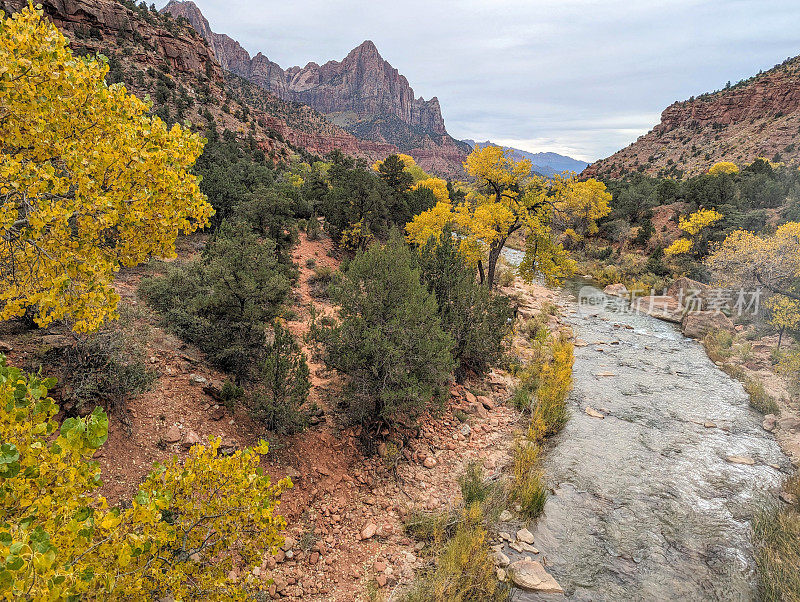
(464, 571)
(528, 488)
(776, 538)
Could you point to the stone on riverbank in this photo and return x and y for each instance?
(525, 536)
(530, 575)
(741, 460)
(698, 324)
(594, 413)
(617, 290)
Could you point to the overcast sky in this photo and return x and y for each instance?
(578, 77)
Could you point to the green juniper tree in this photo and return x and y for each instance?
(389, 341)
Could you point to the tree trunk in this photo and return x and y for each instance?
(494, 255)
(780, 336)
(480, 271)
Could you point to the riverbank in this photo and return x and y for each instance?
(656, 433)
(473, 561)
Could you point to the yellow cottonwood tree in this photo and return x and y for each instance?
(745, 259)
(437, 186)
(723, 167)
(693, 226)
(580, 204)
(190, 524)
(89, 181)
(506, 198)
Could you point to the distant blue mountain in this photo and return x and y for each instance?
(546, 164)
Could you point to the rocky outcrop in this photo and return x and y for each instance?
(698, 324)
(106, 21)
(759, 117)
(363, 94)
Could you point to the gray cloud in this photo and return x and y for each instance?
(582, 77)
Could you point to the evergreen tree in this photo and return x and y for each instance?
(392, 171)
(477, 319)
(389, 342)
(284, 382)
(270, 212)
(223, 302)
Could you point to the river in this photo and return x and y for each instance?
(645, 504)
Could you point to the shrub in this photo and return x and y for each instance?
(789, 365)
(719, 345)
(474, 488)
(545, 383)
(759, 398)
(431, 527)
(62, 542)
(477, 319)
(105, 367)
(284, 383)
(549, 413)
(223, 302)
(389, 342)
(528, 487)
(464, 572)
(230, 393)
(320, 281)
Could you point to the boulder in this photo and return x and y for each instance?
(369, 530)
(486, 402)
(190, 440)
(770, 421)
(500, 559)
(477, 408)
(690, 293)
(741, 460)
(662, 307)
(616, 290)
(531, 576)
(698, 324)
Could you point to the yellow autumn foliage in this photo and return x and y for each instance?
(679, 247)
(693, 226)
(581, 203)
(745, 259)
(699, 220)
(437, 186)
(89, 180)
(504, 198)
(723, 167)
(188, 526)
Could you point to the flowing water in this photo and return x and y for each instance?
(645, 504)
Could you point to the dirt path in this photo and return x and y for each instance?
(345, 539)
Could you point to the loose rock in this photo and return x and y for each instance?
(593, 413)
(525, 536)
(740, 460)
(530, 575)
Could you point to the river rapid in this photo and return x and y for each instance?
(645, 504)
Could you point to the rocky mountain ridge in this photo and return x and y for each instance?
(545, 163)
(363, 94)
(155, 55)
(758, 117)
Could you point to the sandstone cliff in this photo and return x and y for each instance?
(363, 93)
(759, 117)
(156, 55)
